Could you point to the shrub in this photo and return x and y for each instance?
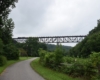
(42, 54)
(95, 59)
(3, 60)
(51, 59)
(46, 58)
(69, 59)
(80, 68)
(58, 55)
(11, 52)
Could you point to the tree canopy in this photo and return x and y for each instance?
(7, 49)
(90, 44)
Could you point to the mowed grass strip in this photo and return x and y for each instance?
(10, 62)
(49, 74)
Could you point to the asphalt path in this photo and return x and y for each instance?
(20, 71)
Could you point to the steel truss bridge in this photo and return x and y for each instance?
(54, 39)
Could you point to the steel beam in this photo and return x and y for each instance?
(55, 39)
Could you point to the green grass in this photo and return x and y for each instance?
(49, 74)
(10, 62)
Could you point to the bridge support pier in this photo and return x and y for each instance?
(58, 43)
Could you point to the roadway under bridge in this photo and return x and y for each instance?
(55, 39)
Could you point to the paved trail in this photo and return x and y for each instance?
(20, 71)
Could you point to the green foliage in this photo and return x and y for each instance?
(22, 52)
(42, 54)
(32, 46)
(79, 68)
(69, 60)
(3, 60)
(43, 46)
(96, 29)
(1, 47)
(90, 44)
(58, 55)
(6, 29)
(52, 47)
(6, 25)
(47, 58)
(87, 68)
(50, 74)
(5, 4)
(11, 52)
(95, 59)
(51, 59)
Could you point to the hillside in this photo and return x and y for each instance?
(51, 47)
(90, 44)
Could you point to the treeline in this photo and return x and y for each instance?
(90, 44)
(30, 47)
(7, 49)
(52, 47)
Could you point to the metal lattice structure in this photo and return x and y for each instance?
(55, 39)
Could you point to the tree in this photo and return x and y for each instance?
(7, 31)
(23, 52)
(11, 52)
(6, 28)
(90, 44)
(4, 11)
(58, 55)
(43, 46)
(1, 47)
(95, 58)
(32, 46)
(5, 4)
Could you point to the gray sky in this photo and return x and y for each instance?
(55, 17)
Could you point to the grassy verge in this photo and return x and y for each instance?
(49, 74)
(10, 62)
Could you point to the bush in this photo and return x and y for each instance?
(58, 55)
(88, 68)
(11, 52)
(80, 68)
(51, 59)
(69, 59)
(47, 58)
(42, 54)
(3, 60)
(95, 59)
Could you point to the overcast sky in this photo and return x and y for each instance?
(55, 17)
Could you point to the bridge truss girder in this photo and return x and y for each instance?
(54, 39)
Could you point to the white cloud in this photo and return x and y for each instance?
(69, 17)
(55, 17)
